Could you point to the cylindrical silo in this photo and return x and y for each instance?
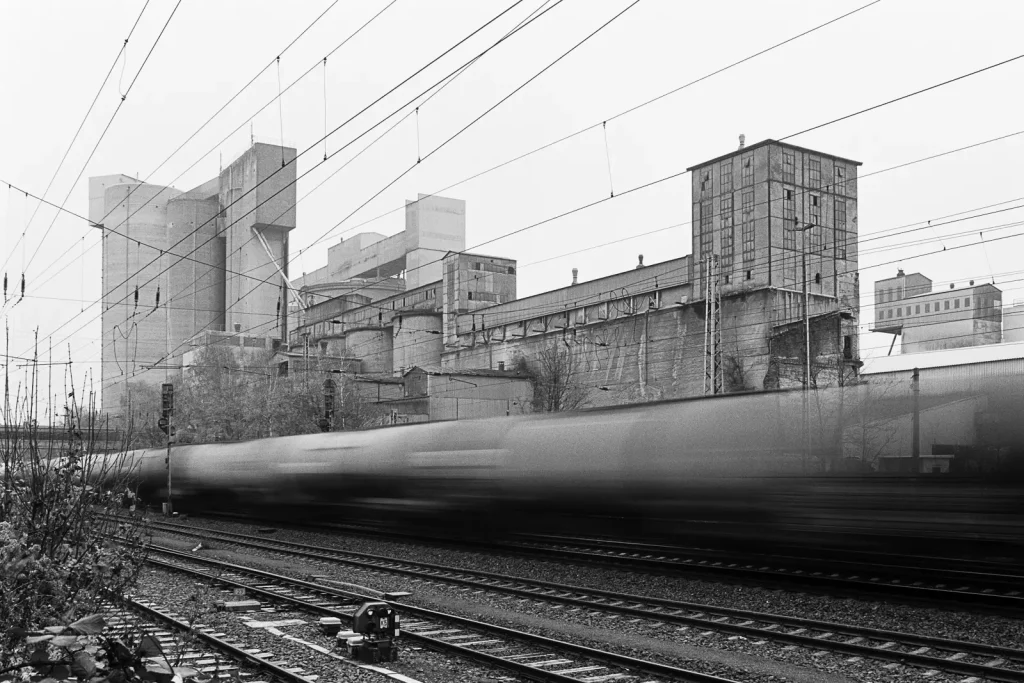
(417, 340)
(196, 282)
(135, 335)
(372, 345)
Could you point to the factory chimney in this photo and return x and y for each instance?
(641, 264)
(743, 140)
(575, 272)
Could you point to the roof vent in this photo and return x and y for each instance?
(743, 140)
(641, 264)
(899, 273)
(575, 272)
(972, 283)
(951, 285)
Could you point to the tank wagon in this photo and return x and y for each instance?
(754, 468)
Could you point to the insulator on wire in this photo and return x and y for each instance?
(5, 286)
(157, 297)
(22, 286)
(136, 296)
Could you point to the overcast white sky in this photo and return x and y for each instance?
(55, 55)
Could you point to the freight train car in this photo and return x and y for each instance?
(753, 468)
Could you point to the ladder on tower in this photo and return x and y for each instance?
(712, 327)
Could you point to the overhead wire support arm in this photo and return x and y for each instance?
(273, 259)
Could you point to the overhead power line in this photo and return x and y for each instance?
(74, 138)
(106, 129)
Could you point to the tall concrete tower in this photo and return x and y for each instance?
(208, 260)
(251, 224)
(746, 207)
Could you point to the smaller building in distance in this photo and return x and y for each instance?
(928, 320)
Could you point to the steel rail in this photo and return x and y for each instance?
(700, 615)
(431, 618)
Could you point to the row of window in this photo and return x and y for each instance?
(818, 234)
(813, 176)
(945, 306)
(725, 175)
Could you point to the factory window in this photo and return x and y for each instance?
(727, 231)
(747, 218)
(323, 348)
(705, 182)
(956, 303)
(748, 274)
(470, 294)
(814, 172)
(908, 310)
(726, 177)
(282, 369)
(817, 280)
(927, 308)
(899, 312)
(815, 210)
(917, 309)
(888, 314)
(748, 170)
(967, 302)
(847, 347)
(511, 270)
(945, 305)
(840, 228)
(707, 243)
(789, 167)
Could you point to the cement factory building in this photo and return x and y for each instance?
(214, 255)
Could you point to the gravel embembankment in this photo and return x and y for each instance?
(728, 656)
(958, 625)
(175, 591)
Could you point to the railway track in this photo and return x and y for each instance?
(196, 646)
(992, 592)
(535, 657)
(986, 587)
(962, 657)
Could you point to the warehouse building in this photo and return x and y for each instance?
(925, 320)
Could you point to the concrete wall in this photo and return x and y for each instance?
(644, 346)
(950, 335)
(491, 397)
(133, 335)
(417, 340)
(257, 193)
(1013, 323)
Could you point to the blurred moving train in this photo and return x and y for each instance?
(757, 468)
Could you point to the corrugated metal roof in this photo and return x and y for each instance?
(1013, 351)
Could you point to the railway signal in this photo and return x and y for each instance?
(327, 422)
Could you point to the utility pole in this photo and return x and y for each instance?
(916, 443)
(807, 335)
(167, 400)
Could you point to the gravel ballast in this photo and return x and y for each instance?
(731, 656)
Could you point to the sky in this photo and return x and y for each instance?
(186, 59)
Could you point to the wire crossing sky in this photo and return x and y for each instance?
(52, 63)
